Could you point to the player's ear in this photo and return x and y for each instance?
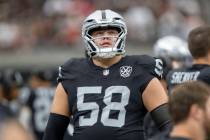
(196, 112)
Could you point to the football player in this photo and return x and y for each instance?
(108, 93)
(37, 99)
(173, 50)
(199, 47)
(189, 108)
(174, 53)
(10, 83)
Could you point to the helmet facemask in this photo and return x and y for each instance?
(113, 21)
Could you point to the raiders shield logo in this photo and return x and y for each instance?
(125, 71)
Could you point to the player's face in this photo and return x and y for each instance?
(207, 118)
(105, 37)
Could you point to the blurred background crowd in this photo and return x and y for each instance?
(29, 24)
(36, 36)
(34, 28)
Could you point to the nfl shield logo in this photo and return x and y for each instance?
(125, 71)
(105, 72)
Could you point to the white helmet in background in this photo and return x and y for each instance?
(104, 19)
(173, 49)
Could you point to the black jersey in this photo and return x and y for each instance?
(106, 104)
(205, 75)
(39, 101)
(195, 72)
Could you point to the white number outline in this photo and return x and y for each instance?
(42, 107)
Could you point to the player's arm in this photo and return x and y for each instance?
(59, 116)
(155, 100)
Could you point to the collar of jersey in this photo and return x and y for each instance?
(93, 66)
(200, 65)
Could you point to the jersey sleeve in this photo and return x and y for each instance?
(147, 79)
(152, 65)
(64, 71)
(69, 71)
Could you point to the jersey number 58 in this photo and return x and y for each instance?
(107, 99)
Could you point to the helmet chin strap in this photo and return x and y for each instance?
(108, 52)
(106, 55)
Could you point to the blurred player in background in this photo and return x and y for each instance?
(189, 108)
(199, 47)
(10, 83)
(5, 111)
(37, 100)
(174, 53)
